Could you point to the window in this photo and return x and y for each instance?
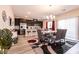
(71, 24)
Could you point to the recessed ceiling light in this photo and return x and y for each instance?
(28, 13)
(63, 9)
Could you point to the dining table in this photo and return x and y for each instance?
(50, 35)
(48, 31)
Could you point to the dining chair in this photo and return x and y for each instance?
(42, 40)
(41, 37)
(63, 34)
(60, 35)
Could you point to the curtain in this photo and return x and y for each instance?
(53, 25)
(46, 25)
(71, 24)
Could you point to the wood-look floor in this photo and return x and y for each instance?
(23, 47)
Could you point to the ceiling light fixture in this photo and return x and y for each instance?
(50, 5)
(47, 17)
(51, 17)
(54, 17)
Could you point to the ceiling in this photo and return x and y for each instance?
(41, 11)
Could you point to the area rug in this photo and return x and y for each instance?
(64, 48)
(71, 43)
(45, 49)
(58, 49)
(31, 41)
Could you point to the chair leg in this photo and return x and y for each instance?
(54, 42)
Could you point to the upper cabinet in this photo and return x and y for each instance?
(28, 22)
(17, 21)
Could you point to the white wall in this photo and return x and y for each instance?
(9, 12)
(71, 13)
(71, 24)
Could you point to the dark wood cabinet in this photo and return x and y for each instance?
(28, 22)
(34, 23)
(17, 21)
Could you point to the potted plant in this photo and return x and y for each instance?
(5, 40)
(0, 41)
